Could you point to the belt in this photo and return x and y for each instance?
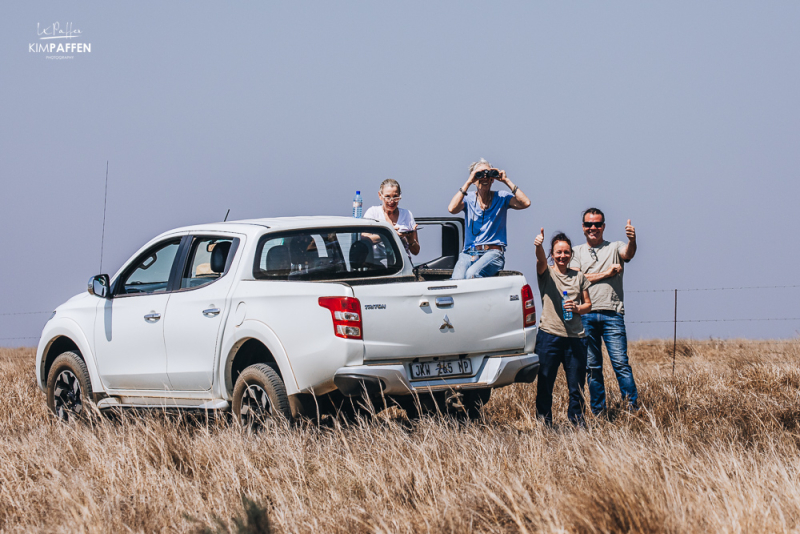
(488, 247)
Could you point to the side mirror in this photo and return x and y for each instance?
(99, 286)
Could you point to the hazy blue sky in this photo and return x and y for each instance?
(682, 116)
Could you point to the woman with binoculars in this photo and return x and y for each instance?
(485, 220)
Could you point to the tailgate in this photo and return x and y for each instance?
(419, 319)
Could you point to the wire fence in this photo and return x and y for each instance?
(692, 343)
(675, 321)
(714, 320)
(686, 290)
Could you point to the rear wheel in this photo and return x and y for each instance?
(474, 400)
(421, 404)
(260, 396)
(69, 389)
(466, 404)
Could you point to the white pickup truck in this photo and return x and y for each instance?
(284, 316)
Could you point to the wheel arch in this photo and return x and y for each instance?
(254, 342)
(65, 335)
(55, 347)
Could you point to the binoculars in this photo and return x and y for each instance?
(487, 173)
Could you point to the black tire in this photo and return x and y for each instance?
(474, 400)
(421, 404)
(407, 403)
(259, 396)
(69, 389)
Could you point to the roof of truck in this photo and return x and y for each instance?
(294, 222)
(248, 226)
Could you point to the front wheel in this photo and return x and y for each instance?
(69, 389)
(259, 395)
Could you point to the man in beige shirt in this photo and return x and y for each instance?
(602, 263)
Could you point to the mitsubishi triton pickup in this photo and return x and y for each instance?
(279, 317)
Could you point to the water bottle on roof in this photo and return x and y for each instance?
(357, 205)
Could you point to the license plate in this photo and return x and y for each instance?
(423, 370)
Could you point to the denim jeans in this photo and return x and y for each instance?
(610, 327)
(488, 263)
(554, 351)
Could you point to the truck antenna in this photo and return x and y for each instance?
(103, 237)
(226, 215)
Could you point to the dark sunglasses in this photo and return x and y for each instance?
(593, 224)
(487, 173)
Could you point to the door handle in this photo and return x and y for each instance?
(211, 312)
(152, 317)
(443, 302)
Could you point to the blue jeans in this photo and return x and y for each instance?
(488, 263)
(609, 327)
(553, 352)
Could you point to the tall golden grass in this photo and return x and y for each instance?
(715, 449)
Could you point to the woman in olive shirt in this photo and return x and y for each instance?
(560, 342)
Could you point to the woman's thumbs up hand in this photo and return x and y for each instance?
(539, 239)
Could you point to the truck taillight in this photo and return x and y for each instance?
(346, 314)
(528, 307)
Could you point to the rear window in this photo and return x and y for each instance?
(327, 254)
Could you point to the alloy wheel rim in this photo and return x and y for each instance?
(67, 395)
(255, 404)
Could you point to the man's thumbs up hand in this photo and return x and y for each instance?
(630, 231)
(539, 239)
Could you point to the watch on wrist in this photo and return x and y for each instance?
(462, 191)
(514, 191)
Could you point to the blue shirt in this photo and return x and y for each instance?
(486, 227)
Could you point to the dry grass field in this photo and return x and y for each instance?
(714, 450)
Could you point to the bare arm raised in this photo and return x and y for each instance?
(520, 200)
(541, 257)
(629, 250)
(457, 203)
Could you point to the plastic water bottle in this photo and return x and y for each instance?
(567, 314)
(357, 205)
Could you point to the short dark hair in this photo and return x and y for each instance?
(593, 211)
(559, 236)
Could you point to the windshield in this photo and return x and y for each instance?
(327, 254)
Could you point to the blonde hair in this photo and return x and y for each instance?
(476, 163)
(392, 183)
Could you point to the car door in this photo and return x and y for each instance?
(441, 240)
(129, 327)
(197, 309)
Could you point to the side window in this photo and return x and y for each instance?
(151, 270)
(208, 258)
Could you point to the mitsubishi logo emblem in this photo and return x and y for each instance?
(446, 324)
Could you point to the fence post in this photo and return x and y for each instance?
(674, 332)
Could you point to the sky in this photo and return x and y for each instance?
(681, 116)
